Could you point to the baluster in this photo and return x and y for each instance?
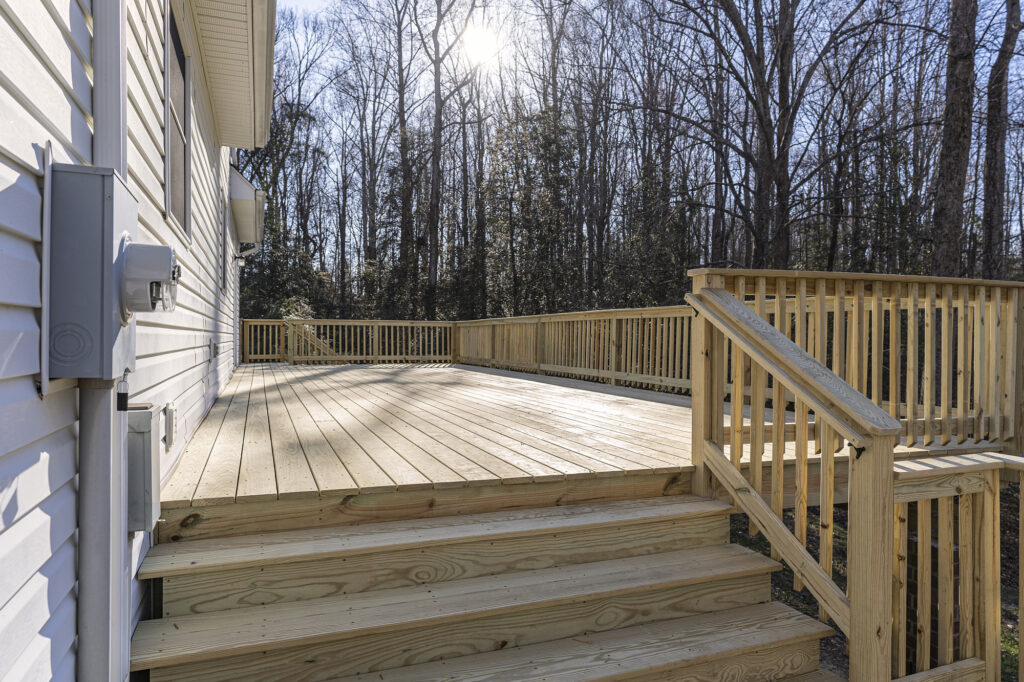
(929, 363)
(839, 331)
(965, 507)
(779, 411)
(981, 375)
(899, 591)
(736, 405)
(995, 364)
(895, 346)
(802, 418)
(946, 351)
(858, 345)
(876, 343)
(923, 646)
(945, 578)
(826, 505)
(820, 346)
(962, 372)
(757, 405)
(912, 355)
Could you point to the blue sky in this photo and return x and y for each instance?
(310, 5)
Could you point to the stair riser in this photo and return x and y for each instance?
(278, 583)
(329, 660)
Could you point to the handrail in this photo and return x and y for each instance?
(778, 368)
(940, 354)
(818, 385)
(866, 277)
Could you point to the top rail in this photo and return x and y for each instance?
(851, 411)
(851, 277)
(737, 347)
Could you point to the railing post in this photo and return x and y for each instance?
(703, 391)
(538, 351)
(987, 577)
(454, 342)
(1017, 446)
(613, 364)
(289, 341)
(245, 340)
(375, 332)
(494, 344)
(869, 559)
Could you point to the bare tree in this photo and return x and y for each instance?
(954, 155)
(996, 120)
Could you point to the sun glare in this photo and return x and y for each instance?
(480, 44)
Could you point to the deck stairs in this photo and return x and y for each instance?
(645, 589)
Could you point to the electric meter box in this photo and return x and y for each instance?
(93, 218)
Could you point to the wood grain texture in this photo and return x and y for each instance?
(433, 563)
(640, 652)
(240, 519)
(260, 628)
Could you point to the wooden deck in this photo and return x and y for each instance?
(299, 446)
(291, 434)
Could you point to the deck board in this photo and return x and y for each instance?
(290, 431)
(326, 432)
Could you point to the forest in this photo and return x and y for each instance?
(459, 159)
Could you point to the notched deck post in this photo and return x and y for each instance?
(703, 389)
(869, 559)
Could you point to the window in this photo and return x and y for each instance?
(224, 241)
(177, 128)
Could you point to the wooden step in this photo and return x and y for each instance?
(389, 628)
(765, 641)
(817, 676)
(203, 576)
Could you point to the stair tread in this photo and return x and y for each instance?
(614, 654)
(927, 467)
(215, 554)
(182, 639)
(817, 676)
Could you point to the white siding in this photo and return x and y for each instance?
(45, 95)
(173, 356)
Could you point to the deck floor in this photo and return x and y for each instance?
(280, 432)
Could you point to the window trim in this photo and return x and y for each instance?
(224, 241)
(169, 217)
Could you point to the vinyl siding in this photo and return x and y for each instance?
(45, 95)
(174, 364)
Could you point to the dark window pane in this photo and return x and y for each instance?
(177, 72)
(178, 182)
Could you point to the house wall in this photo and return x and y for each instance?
(46, 96)
(175, 361)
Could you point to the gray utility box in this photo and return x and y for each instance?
(92, 214)
(143, 470)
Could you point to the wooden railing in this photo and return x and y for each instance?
(761, 387)
(728, 335)
(946, 580)
(345, 341)
(939, 354)
(642, 347)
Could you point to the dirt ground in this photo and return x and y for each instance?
(833, 649)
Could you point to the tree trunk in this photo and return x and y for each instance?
(434, 205)
(954, 153)
(996, 119)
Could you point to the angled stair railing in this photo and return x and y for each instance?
(841, 415)
(910, 526)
